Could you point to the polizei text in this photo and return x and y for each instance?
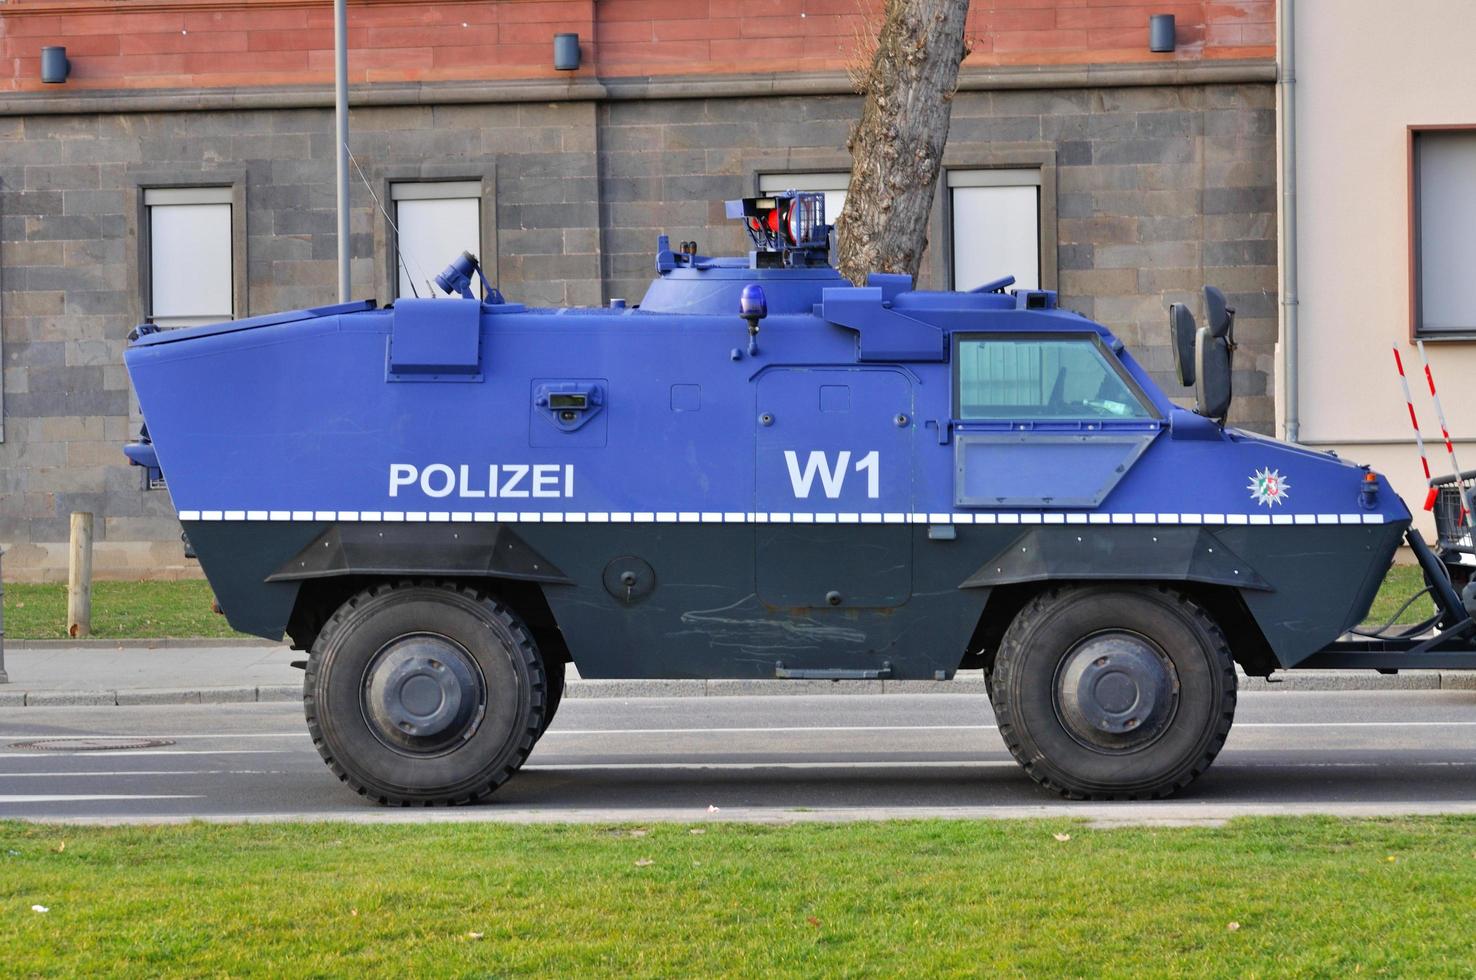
(502, 480)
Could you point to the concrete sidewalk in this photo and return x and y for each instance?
(92, 674)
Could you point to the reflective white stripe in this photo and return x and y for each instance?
(763, 517)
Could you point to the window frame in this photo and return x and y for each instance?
(430, 190)
(976, 156)
(953, 178)
(210, 195)
(808, 173)
(1417, 330)
(386, 241)
(141, 255)
(956, 377)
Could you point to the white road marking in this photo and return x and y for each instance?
(115, 753)
(90, 797)
(879, 764)
(37, 736)
(780, 729)
(149, 772)
(971, 728)
(930, 764)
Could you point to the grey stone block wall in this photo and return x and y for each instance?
(1157, 191)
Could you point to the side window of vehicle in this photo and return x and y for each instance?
(1010, 376)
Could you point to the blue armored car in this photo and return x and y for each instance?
(760, 471)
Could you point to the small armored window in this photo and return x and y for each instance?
(1014, 377)
(436, 222)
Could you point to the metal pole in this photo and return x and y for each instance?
(340, 110)
(1289, 300)
(4, 677)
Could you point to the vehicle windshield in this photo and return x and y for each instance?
(1042, 377)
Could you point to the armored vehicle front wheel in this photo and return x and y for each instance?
(424, 693)
(1110, 693)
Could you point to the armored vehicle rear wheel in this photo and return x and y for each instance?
(1112, 693)
(424, 693)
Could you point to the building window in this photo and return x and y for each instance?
(190, 255)
(436, 221)
(1443, 211)
(832, 184)
(995, 217)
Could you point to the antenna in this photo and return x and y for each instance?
(409, 276)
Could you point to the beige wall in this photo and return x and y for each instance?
(1362, 79)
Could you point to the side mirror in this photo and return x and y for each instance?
(1212, 387)
(1181, 333)
(1221, 318)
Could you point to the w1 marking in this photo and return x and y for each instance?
(832, 477)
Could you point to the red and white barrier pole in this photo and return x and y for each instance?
(1414, 419)
(1444, 431)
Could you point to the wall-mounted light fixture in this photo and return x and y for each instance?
(566, 52)
(54, 65)
(1161, 33)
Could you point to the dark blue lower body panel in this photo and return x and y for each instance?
(716, 600)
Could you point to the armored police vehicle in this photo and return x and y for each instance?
(760, 471)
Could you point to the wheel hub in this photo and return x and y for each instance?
(1116, 691)
(423, 693)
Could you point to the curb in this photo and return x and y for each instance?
(144, 696)
(970, 682)
(155, 643)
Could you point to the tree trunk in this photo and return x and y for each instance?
(897, 146)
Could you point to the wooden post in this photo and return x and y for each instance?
(79, 577)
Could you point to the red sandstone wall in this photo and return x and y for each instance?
(183, 43)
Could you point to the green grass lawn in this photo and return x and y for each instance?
(1307, 896)
(134, 610)
(120, 610)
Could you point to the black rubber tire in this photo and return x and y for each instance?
(504, 652)
(1024, 677)
(554, 674)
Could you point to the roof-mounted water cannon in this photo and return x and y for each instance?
(788, 229)
(456, 279)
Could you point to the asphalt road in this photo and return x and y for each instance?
(753, 758)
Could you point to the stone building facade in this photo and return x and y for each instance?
(1156, 174)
